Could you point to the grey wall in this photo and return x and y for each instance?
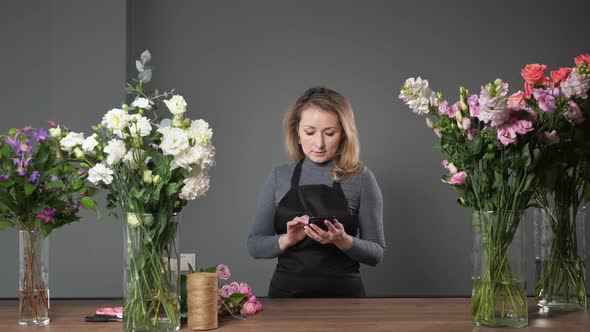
(239, 65)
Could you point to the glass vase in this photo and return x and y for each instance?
(560, 249)
(151, 278)
(33, 305)
(499, 297)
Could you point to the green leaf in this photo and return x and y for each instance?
(527, 182)
(4, 224)
(139, 66)
(77, 184)
(88, 203)
(236, 298)
(145, 76)
(212, 269)
(526, 155)
(29, 189)
(52, 185)
(171, 189)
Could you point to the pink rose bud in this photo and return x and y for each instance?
(258, 306)
(457, 179)
(245, 289)
(516, 99)
(252, 298)
(249, 309)
(223, 272)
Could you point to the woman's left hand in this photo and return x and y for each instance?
(335, 234)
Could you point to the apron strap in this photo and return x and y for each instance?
(296, 175)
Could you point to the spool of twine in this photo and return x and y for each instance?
(202, 300)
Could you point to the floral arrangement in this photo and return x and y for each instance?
(42, 189)
(151, 166)
(495, 147)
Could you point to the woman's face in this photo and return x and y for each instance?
(320, 134)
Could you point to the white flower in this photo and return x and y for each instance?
(194, 187)
(417, 95)
(90, 143)
(200, 132)
(175, 141)
(493, 103)
(575, 85)
(116, 120)
(133, 156)
(139, 125)
(71, 141)
(142, 103)
(116, 150)
(100, 172)
(176, 105)
(55, 132)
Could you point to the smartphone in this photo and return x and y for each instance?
(319, 221)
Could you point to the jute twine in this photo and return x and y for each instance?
(202, 300)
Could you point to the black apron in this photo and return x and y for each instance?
(309, 268)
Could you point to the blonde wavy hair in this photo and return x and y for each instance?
(346, 160)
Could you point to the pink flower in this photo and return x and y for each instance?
(245, 289)
(225, 291)
(522, 127)
(457, 179)
(560, 75)
(437, 132)
(258, 306)
(452, 169)
(551, 137)
(574, 115)
(471, 133)
(235, 287)
(466, 123)
(223, 272)
(506, 134)
(533, 73)
(473, 102)
(248, 309)
(516, 99)
(582, 58)
(443, 108)
(252, 299)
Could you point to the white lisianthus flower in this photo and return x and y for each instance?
(175, 141)
(116, 120)
(200, 132)
(90, 143)
(194, 187)
(55, 132)
(176, 105)
(115, 150)
(142, 103)
(71, 141)
(100, 173)
(139, 125)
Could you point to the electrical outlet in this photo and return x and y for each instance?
(185, 260)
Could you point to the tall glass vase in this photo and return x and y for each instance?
(152, 284)
(33, 306)
(499, 297)
(560, 252)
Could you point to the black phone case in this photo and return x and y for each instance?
(319, 221)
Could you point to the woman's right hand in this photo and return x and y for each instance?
(295, 232)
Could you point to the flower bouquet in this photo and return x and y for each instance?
(151, 166)
(42, 189)
(492, 153)
(562, 103)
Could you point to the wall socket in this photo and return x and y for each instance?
(185, 260)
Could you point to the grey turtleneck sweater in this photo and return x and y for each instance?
(363, 196)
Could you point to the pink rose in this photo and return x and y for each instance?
(551, 137)
(251, 298)
(471, 133)
(506, 134)
(235, 287)
(225, 291)
(223, 272)
(516, 99)
(582, 58)
(528, 90)
(245, 289)
(248, 309)
(457, 179)
(560, 75)
(258, 306)
(534, 73)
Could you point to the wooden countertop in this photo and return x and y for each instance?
(370, 314)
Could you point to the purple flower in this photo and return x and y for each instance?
(73, 207)
(506, 134)
(471, 133)
(234, 287)
(34, 177)
(41, 136)
(223, 272)
(574, 115)
(47, 214)
(225, 291)
(473, 102)
(4, 177)
(22, 164)
(55, 178)
(13, 141)
(444, 109)
(545, 98)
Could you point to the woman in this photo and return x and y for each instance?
(327, 180)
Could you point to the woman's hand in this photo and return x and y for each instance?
(295, 232)
(335, 234)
